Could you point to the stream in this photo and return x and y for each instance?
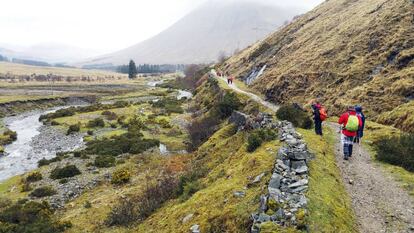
(34, 142)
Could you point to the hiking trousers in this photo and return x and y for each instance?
(318, 127)
(348, 145)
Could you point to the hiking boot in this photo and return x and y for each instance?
(346, 158)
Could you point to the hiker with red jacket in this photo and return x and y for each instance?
(350, 124)
(319, 115)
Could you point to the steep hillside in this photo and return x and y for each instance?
(200, 36)
(343, 52)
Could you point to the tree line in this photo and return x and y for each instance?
(132, 69)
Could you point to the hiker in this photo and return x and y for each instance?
(350, 123)
(360, 132)
(319, 115)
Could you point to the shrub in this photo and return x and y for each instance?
(109, 115)
(90, 132)
(103, 161)
(296, 115)
(65, 172)
(44, 191)
(253, 142)
(228, 104)
(44, 162)
(98, 122)
(77, 154)
(121, 176)
(189, 189)
(396, 150)
(26, 187)
(164, 123)
(171, 105)
(87, 205)
(188, 183)
(12, 135)
(200, 131)
(138, 208)
(259, 136)
(59, 113)
(29, 217)
(73, 129)
(54, 123)
(63, 181)
(33, 177)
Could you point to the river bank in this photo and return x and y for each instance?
(34, 142)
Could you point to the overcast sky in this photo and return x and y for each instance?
(103, 25)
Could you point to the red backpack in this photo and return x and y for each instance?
(322, 114)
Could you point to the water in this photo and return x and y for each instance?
(184, 94)
(34, 142)
(154, 83)
(163, 149)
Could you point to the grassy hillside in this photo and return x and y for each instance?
(343, 52)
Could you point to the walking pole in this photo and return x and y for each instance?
(359, 146)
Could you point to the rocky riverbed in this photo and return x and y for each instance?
(34, 142)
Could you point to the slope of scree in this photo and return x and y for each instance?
(343, 52)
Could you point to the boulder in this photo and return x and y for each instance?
(275, 181)
(187, 218)
(301, 170)
(238, 118)
(239, 194)
(300, 183)
(298, 164)
(195, 229)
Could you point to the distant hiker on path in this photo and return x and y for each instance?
(360, 132)
(319, 115)
(230, 80)
(350, 124)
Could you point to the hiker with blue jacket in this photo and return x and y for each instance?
(360, 132)
(350, 123)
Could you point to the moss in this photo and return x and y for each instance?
(273, 204)
(270, 227)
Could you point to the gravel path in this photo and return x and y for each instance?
(379, 203)
(252, 96)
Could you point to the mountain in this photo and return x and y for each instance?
(200, 36)
(47, 52)
(342, 52)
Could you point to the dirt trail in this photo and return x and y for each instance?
(379, 203)
(254, 97)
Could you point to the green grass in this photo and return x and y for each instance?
(10, 188)
(329, 204)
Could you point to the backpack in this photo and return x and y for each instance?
(353, 123)
(322, 114)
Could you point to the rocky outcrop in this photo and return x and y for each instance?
(285, 202)
(247, 122)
